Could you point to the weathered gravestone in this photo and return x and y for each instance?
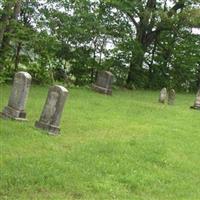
(171, 97)
(197, 101)
(163, 95)
(52, 111)
(17, 101)
(104, 83)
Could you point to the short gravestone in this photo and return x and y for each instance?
(171, 97)
(197, 101)
(163, 96)
(104, 83)
(52, 111)
(19, 94)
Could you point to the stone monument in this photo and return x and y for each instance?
(52, 111)
(18, 97)
(172, 97)
(163, 96)
(104, 83)
(197, 101)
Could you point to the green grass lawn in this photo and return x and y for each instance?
(127, 146)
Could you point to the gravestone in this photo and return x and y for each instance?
(19, 94)
(52, 111)
(172, 97)
(197, 101)
(163, 96)
(104, 83)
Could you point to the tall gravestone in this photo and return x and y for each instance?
(104, 83)
(163, 96)
(171, 97)
(52, 111)
(19, 94)
(197, 101)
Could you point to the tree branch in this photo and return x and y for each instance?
(151, 4)
(132, 19)
(175, 8)
(153, 34)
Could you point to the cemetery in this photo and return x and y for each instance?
(99, 100)
(127, 140)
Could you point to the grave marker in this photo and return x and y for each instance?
(163, 96)
(104, 83)
(52, 111)
(18, 97)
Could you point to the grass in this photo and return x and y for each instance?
(126, 146)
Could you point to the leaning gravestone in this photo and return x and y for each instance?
(17, 101)
(52, 111)
(163, 95)
(172, 97)
(104, 83)
(197, 101)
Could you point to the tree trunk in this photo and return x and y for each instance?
(4, 20)
(17, 57)
(134, 69)
(150, 75)
(135, 64)
(17, 9)
(11, 15)
(130, 78)
(92, 69)
(198, 76)
(92, 75)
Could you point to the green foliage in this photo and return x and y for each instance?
(176, 63)
(141, 42)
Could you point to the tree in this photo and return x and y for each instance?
(4, 20)
(141, 42)
(8, 20)
(149, 18)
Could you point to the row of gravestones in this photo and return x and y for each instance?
(57, 95)
(104, 85)
(171, 96)
(166, 96)
(53, 108)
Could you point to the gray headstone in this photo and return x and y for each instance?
(104, 83)
(52, 111)
(18, 97)
(171, 97)
(197, 101)
(163, 95)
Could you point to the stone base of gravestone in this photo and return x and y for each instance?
(11, 113)
(101, 89)
(195, 107)
(52, 130)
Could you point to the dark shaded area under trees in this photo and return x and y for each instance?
(145, 44)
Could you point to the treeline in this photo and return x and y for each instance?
(145, 44)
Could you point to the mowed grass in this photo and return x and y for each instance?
(127, 146)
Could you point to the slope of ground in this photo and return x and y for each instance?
(127, 146)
